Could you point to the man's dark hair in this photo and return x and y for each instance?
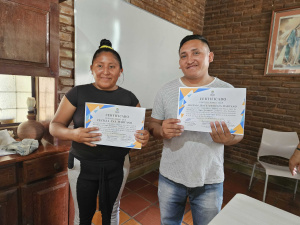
(193, 37)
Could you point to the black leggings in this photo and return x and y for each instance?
(85, 188)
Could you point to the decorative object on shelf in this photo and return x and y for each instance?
(31, 129)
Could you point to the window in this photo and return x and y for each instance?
(14, 91)
(46, 98)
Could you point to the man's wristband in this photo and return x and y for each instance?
(298, 149)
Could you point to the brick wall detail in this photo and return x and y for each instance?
(238, 32)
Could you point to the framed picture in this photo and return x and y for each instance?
(283, 57)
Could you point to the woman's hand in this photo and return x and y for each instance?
(142, 136)
(294, 162)
(84, 135)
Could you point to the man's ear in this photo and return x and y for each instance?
(211, 57)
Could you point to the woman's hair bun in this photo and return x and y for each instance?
(105, 42)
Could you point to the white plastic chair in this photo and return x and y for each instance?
(276, 143)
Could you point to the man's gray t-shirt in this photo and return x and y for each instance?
(192, 159)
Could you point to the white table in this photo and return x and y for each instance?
(244, 210)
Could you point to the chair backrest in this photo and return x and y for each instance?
(276, 143)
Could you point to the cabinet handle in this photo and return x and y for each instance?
(56, 166)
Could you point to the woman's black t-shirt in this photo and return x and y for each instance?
(81, 94)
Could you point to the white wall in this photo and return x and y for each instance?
(147, 44)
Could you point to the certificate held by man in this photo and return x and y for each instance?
(116, 123)
(198, 107)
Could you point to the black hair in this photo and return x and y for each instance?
(107, 49)
(193, 37)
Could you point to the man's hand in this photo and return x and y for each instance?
(222, 134)
(170, 128)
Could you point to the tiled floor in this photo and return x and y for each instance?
(139, 203)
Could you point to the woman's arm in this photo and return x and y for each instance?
(60, 122)
(294, 163)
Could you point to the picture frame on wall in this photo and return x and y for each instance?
(283, 56)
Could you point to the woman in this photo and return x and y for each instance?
(94, 168)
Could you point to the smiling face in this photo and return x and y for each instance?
(106, 71)
(194, 60)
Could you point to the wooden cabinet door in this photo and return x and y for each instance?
(9, 207)
(8, 176)
(46, 202)
(29, 37)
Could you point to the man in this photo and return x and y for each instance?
(192, 162)
(294, 162)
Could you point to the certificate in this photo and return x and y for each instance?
(198, 106)
(116, 123)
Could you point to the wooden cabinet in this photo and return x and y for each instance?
(29, 37)
(46, 202)
(9, 207)
(34, 189)
(8, 197)
(43, 167)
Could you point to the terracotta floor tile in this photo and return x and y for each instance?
(155, 183)
(151, 177)
(149, 192)
(150, 216)
(123, 217)
(136, 207)
(133, 204)
(97, 219)
(132, 222)
(290, 205)
(236, 182)
(187, 207)
(187, 218)
(126, 191)
(257, 191)
(227, 196)
(287, 194)
(136, 184)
